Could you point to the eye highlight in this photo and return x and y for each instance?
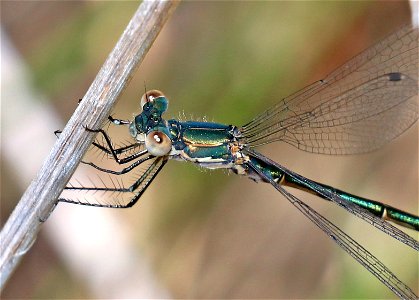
(158, 143)
(149, 96)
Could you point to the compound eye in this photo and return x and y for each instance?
(149, 96)
(158, 143)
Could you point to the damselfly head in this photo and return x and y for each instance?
(149, 127)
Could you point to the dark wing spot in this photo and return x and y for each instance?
(395, 76)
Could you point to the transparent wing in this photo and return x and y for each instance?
(361, 213)
(354, 249)
(359, 107)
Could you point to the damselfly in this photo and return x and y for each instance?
(359, 107)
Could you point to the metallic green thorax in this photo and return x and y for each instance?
(213, 145)
(202, 142)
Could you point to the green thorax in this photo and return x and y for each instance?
(202, 140)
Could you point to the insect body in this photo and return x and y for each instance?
(361, 106)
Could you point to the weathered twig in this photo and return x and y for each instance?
(21, 229)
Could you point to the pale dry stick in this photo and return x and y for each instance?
(20, 230)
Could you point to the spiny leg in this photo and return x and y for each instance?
(148, 176)
(104, 149)
(112, 150)
(124, 170)
(116, 150)
(121, 149)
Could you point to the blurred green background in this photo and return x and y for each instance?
(205, 233)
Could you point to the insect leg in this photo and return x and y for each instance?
(124, 170)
